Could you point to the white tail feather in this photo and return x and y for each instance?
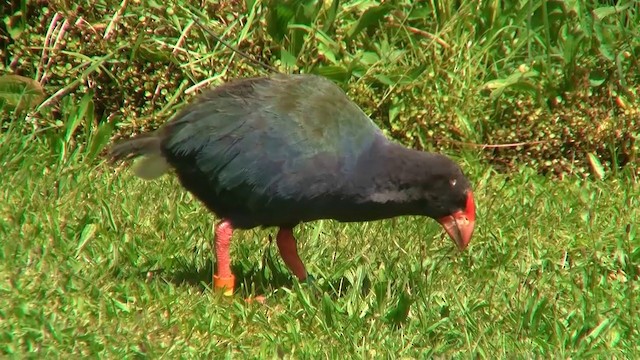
(151, 167)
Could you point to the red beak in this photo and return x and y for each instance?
(459, 225)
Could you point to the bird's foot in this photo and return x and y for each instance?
(310, 280)
(260, 299)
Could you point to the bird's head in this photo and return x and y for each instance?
(451, 200)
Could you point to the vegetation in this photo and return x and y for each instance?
(560, 76)
(98, 262)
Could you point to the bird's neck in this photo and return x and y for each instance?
(391, 174)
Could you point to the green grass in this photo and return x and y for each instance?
(96, 262)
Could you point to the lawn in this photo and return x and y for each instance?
(95, 262)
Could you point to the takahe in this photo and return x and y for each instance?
(285, 149)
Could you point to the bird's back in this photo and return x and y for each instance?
(269, 151)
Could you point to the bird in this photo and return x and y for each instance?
(284, 149)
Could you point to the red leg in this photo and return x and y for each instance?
(224, 279)
(289, 253)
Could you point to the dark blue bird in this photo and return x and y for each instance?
(285, 149)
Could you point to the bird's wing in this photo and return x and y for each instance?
(284, 137)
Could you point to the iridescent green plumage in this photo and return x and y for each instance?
(272, 133)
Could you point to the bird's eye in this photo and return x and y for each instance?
(453, 182)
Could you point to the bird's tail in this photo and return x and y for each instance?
(152, 165)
